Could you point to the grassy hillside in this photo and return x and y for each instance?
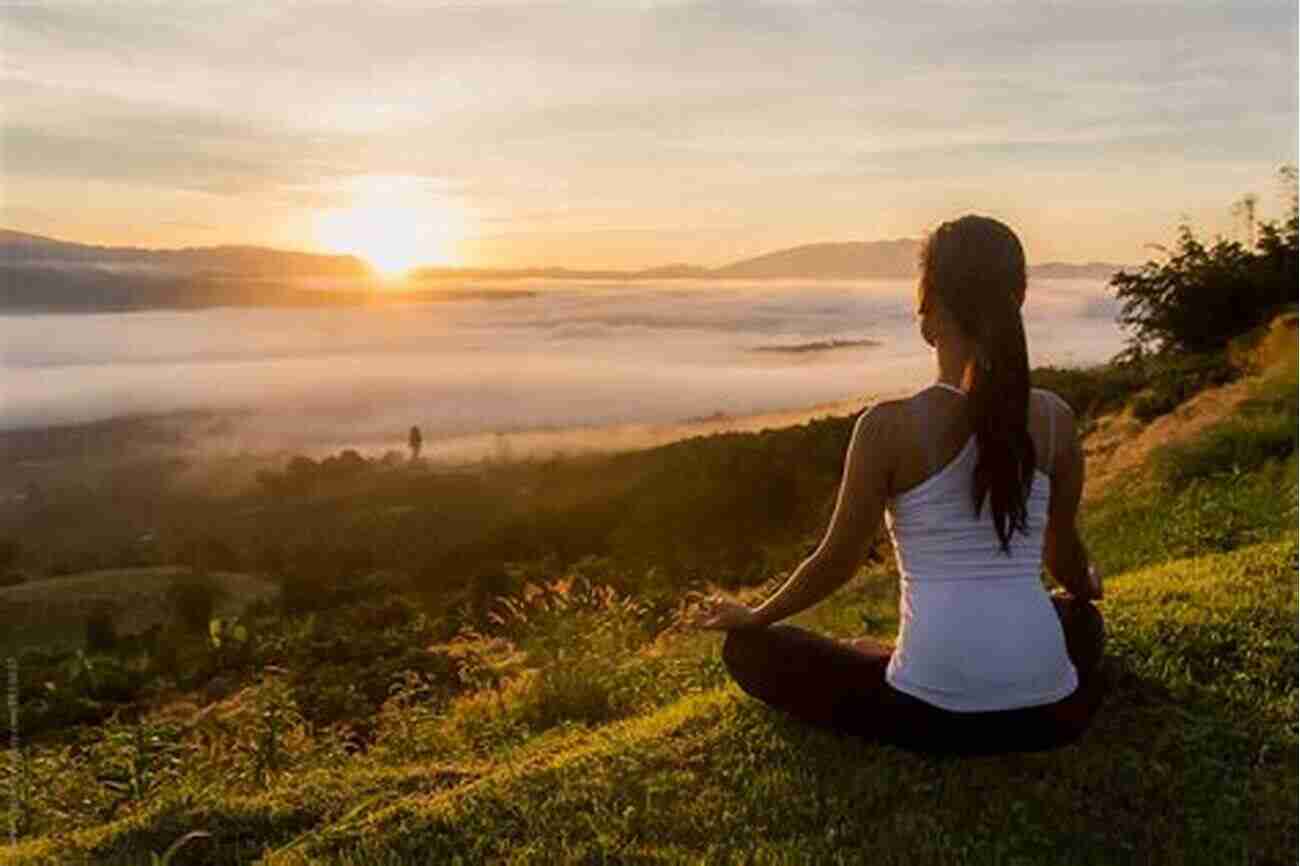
(578, 733)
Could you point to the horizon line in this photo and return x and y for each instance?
(529, 267)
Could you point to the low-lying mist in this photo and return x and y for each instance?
(577, 366)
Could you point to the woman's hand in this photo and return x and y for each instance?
(1092, 588)
(723, 613)
(1094, 583)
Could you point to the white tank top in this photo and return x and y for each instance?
(977, 630)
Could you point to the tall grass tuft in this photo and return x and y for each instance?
(579, 639)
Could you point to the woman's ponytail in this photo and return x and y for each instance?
(976, 266)
(999, 415)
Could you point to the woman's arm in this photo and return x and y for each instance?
(864, 489)
(1064, 554)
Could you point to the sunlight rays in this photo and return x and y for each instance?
(394, 222)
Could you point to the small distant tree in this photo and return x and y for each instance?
(300, 475)
(416, 441)
(347, 464)
(1245, 210)
(1277, 244)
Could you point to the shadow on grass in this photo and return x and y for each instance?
(1157, 777)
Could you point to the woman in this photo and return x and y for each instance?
(979, 478)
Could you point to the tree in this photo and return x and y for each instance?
(1245, 209)
(1203, 296)
(416, 441)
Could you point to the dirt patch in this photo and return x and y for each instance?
(1119, 445)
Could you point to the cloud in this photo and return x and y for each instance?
(603, 111)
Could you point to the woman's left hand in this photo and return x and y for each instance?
(723, 613)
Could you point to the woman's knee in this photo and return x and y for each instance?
(759, 659)
(1089, 635)
(1092, 625)
(741, 650)
(1100, 622)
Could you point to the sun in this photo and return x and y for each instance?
(394, 224)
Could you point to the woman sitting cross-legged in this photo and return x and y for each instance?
(978, 477)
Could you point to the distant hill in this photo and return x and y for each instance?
(1064, 270)
(869, 259)
(21, 249)
(42, 273)
(48, 275)
(846, 260)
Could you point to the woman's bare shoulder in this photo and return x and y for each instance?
(884, 417)
(885, 429)
(1059, 404)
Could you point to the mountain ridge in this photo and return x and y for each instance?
(823, 259)
(39, 273)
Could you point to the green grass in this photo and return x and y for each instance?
(1141, 524)
(1235, 484)
(1263, 430)
(1191, 760)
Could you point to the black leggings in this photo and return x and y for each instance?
(841, 686)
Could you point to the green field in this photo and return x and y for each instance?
(53, 613)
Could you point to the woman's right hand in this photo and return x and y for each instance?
(1090, 590)
(720, 612)
(1094, 582)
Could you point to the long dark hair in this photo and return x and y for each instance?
(976, 266)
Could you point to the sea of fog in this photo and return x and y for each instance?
(579, 364)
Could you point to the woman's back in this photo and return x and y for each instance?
(977, 630)
(985, 660)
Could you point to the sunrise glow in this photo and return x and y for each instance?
(473, 134)
(394, 223)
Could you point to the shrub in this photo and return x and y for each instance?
(407, 714)
(304, 475)
(483, 721)
(579, 638)
(1091, 391)
(1241, 445)
(101, 631)
(193, 599)
(1203, 296)
(271, 731)
(1175, 378)
(228, 640)
(139, 759)
(324, 576)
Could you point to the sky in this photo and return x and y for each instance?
(622, 134)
